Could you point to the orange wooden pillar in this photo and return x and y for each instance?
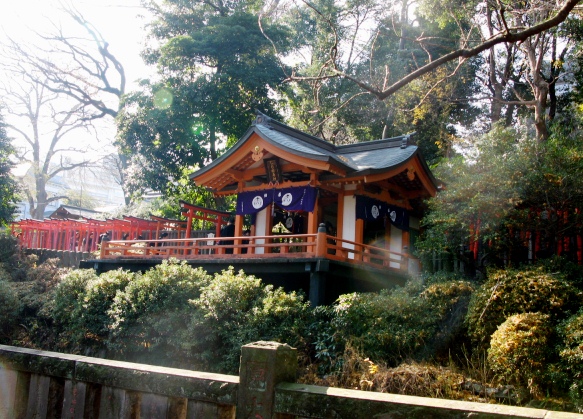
(321, 249)
(358, 238)
(314, 216)
(238, 233)
(340, 215)
(268, 227)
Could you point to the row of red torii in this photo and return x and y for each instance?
(86, 234)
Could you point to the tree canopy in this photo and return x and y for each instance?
(516, 45)
(215, 68)
(512, 184)
(8, 186)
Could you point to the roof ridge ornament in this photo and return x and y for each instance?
(261, 119)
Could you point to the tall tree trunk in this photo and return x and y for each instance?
(213, 141)
(540, 87)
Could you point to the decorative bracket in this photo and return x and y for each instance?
(411, 173)
(257, 153)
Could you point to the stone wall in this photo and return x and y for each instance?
(67, 259)
(39, 384)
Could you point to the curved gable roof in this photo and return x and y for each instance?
(354, 159)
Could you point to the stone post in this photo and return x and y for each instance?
(263, 366)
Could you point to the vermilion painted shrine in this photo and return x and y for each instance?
(323, 218)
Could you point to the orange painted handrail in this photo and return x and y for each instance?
(318, 245)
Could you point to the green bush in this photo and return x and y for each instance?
(520, 350)
(235, 309)
(12, 259)
(571, 271)
(147, 315)
(9, 307)
(36, 292)
(88, 327)
(35, 296)
(571, 353)
(509, 292)
(399, 324)
(68, 296)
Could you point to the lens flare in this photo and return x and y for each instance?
(163, 99)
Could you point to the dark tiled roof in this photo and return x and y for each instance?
(370, 156)
(69, 211)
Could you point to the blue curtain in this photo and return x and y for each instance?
(289, 199)
(371, 209)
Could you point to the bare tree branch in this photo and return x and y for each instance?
(509, 35)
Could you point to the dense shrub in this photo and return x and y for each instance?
(509, 292)
(98, 299)
(67, 306)
(149, 313)
(398, 324)
(520, 350)
(571, 271)
(235, 309)
(12, 260)
(571, 353)
(35, 295)
(9, 307)
(68, 295)
(323, 344)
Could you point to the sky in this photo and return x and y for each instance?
(118, 21)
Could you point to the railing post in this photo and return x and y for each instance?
(405, 259)
(14, 394)
(263, 366)
(321, 241)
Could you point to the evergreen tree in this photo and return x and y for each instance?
(216, 67)
(8, 186)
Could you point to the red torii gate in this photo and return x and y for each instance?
(216, 217)
(140, 228)
(86, 233)
(167, 224)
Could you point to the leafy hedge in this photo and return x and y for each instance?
(520, 350)
(148, 314)
(395, 325)
(9, 306)
(571, 354)
(173, 315)
(235, 309)
(529, 322)
(509, 292)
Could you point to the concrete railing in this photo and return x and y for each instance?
(39, 384)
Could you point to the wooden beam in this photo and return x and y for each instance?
(265, 186)
(384, 175)
(424, 178)
(256, 142)
(235, 174)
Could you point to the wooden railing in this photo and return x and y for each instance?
(346, 250)
(318, 245)
(211, 247)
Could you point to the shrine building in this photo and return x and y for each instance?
(309, 214)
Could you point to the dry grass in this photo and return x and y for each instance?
(409, 378)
